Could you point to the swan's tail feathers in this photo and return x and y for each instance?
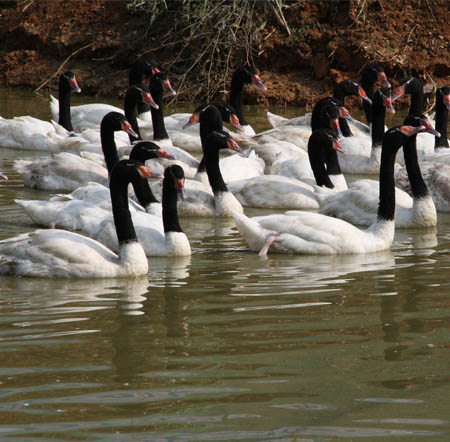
(275, 120)
(269, 241)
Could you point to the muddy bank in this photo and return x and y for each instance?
(299, 61)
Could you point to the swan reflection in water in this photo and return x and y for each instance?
(69, 296)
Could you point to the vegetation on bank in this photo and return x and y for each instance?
(206, 37)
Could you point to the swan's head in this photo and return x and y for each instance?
(129, 170)
(234, 121)
(409, 131)
(220, 139)
(383, 79)
(323, 139)
(256, 80)
(228, 113)
(351, 87)
(248, 74)
(373, 72)
(174, 177)
(147, 150)
(146, 172)
(363, 95)
(160, 81)
(168, 87)
(406, 87)
(385, 96)
(115, 121)
(69, 78)
(443, 93)
(148, 99)
(193, 119)
(428, 127)
(330, 115)
(3, 176)
(140, 93)
(126, 127)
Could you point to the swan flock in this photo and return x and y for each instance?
(122, 180)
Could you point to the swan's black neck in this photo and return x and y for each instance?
(169, 207)
(368, 80)
(140, 185)
(378, 118)
(159, 128)
(391, 144)
(236, 88)
(64, 106)
(131, 113)
(119, 199)
(140, 69)
(441, 118)
(342, 90)
(213, 170)
(210, 120)
(108, 146)
(418, 187)
(415, 89)
(323, 158)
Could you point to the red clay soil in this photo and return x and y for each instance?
(328, 41)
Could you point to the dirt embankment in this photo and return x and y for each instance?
(322, 43)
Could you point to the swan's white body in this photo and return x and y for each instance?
(237, 167)
(270, 149)
(361, 157)
(357, 127)
(63, 172)
(359, 205)
(97, 223)
(84, 116)
(29, 133)
(274, 191)
(201, 202)
(437, 179)
(183, 159)
(300, 169)
(59, 253)
(313, 233)
(67, 210)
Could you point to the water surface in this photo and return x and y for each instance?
(225, 345)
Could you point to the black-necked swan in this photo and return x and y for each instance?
(60, 253)
(371, 74)
(298, 186)
(414, 87)
(359, 204)
(65, 210)
(142, 68)
(200, 200)
(290, 141)
(317, 234)
(233, 167)
(86, 118)
(244, 74)
(67, 171)
(189, 137)
(364, 152)
(341, 90)
(66, 84)
(159, 234)
(436, 166)
(29, 133)
(158, 85)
